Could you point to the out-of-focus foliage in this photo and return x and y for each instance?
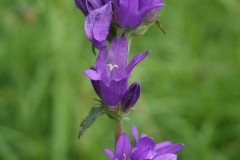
(191, 81)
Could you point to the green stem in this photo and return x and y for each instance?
(118, 129)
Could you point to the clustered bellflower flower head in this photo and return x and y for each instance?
(144, 149)
(111, 73)
(101, 15)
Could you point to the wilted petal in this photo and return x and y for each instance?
(173, 148)
(123, 147)
(118, 54)
(135, 133)
(109, 153)
(97, 25)
(130, 97)
(166, 157)
(92, 74)
(136, 59)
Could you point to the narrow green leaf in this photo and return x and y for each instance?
(95, 112)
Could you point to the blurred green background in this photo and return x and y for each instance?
(190, 82)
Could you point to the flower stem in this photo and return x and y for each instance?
(118, 129)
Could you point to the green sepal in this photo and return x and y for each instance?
(116, 115)
(159, 25)
(96, 111)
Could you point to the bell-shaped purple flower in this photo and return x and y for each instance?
(122, 150)
(144, 149)
(131, 13)
(98, 20)
(147, 149)
(110, 76)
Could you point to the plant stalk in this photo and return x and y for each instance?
(118, 129)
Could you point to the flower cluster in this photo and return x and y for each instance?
(109, 25)
(144, 149)
(103, 15)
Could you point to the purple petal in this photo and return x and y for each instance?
(166, 157)
(93, 4)
(145, 142)
(118, 54)
(149, 6)
(162, 144)
(132, 13)
(102, 23)
(113, 93)
(173, 148)
(101, 60)
(123, 146)
(97, 87)
(135, 133)
(101, 66)
(93, 75)
(96, 84)
(81, 4)
(143, 148)
(109, 153)
(97, 25)
(136, 59)
(150, 155)
(130, 97)
(127, 15)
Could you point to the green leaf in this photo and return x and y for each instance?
(95, 112)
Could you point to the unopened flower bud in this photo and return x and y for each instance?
(130, 97)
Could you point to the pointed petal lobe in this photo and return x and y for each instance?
(123, 146)
(109, 153)
(93, 75)
(135, 133)
(166, 157)
(136, 59)
(173, 148)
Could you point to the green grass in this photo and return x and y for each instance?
(190, 82)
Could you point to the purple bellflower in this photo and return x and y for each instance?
(144, 149)
(131, 13)
(110, 75)
(98, 20)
